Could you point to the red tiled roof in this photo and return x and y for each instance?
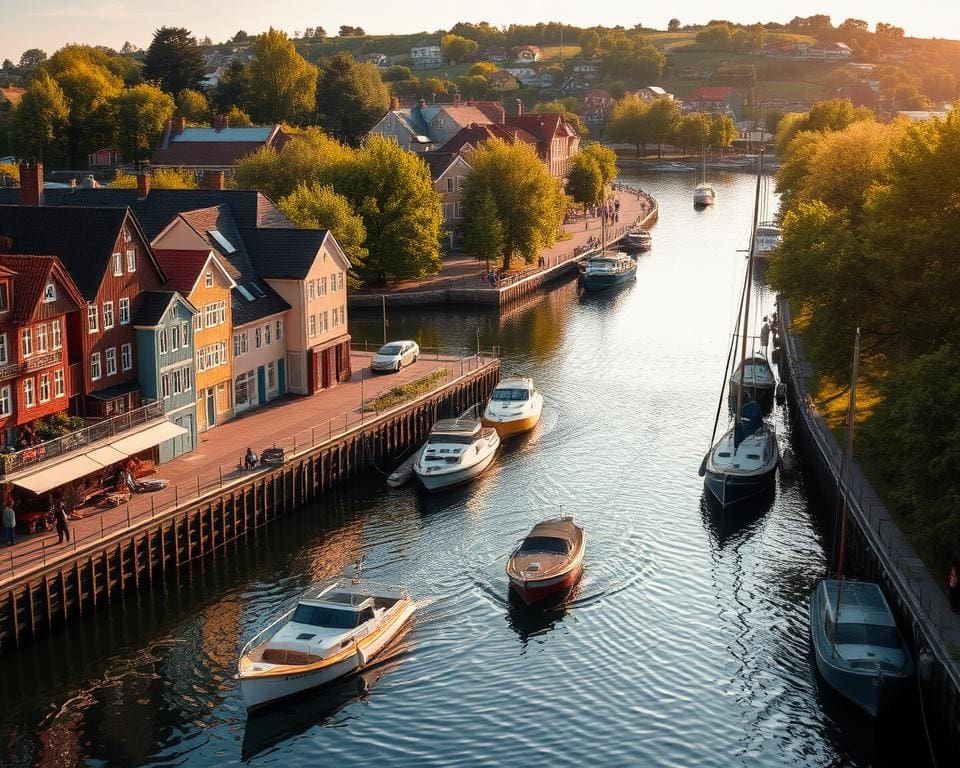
(182, 267)
(712, 93)
(477, 134)
(544, 127)
(32, 275)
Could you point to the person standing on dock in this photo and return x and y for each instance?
(9, 523)
(953, 585)
(63, 525)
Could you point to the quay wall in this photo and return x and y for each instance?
(877, 551)
(119, 566)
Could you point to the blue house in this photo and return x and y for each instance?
(163, 321)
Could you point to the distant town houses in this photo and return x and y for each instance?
(650, 93)
(800, 51)
(449, 172)
(720, 100)
(377, 59)
(216, 147)
(587, 70)
(426, 56)
(501, 80)
(494, 55)
(596, 107)
(105, 158)
(575, 85)
(527, 53)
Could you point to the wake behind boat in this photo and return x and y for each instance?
(337, 628)
(548, 560)
(607, 270)
(456, 451)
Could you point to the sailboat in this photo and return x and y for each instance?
(743, 463)
(857, 646)
(703, 194)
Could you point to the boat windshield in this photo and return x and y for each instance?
(545, 544)
(328, 616)
(389, 349)
(867, 634)
(510, 394)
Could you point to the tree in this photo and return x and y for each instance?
(347, 31)
(628, 123)
(161, 178)
(939, 84)
(723, 131)
(240, 37)
(319, 33)
(128, 48)
(662, 121)
(32, 58)
(673, 25)
(282, 83)
(605, 158)
(566, 109)
(396, 74)
(456, 49)
(473, 86)
(139, 115)
(350, 98)
(617, 90)
(585, 181)
(482, 68)
(694, 131)
(316, 206)
(39, 121)
(589, 42)
(237, 118)
(483, 230)
(174, 60)
(530, 202)
(193, 105)
(232, 88)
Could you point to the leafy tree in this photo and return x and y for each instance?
(456, 49)
(32, 58)
(482, 68)
(437, 85)
(193, 105)
(128, 48)
(174, 60)
(237, 118)
(939, 84)
(605, 158)
(347, 31)
(483, 230)
(473, 86)
(319, 33)
(232, 88)
(638, 61)
(484, 34)
(628, 122)
(662, 122)
(566, 108)
(673, 25)
(315, 206)
(723, 131)
(282, 83)
(530, 202)
(397, 73)
(617, 90)
(240, 37)
(589, 42)
(585, 181)
(39, 121)
(160, 178)
(351, 97)
(139, 115)
(694, 131)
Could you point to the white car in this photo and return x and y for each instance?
(394, 355)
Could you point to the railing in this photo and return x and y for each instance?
(27, 457)
(30, 364)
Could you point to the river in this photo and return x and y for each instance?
(685, 644)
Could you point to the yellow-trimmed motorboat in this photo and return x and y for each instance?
(514, 407)
(337, 628)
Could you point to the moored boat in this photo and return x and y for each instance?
(759, 381)
(607, 270)
(637, 240)
(337, 628)
(767, 238)
(548, 560)
(514, 407)
(857, 646)
(456, 451)
(704, 195)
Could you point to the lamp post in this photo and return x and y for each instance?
(383, 299)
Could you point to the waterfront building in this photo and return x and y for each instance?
(449, 172)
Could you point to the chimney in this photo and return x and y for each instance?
(6, 244)
(219, 122)
(394, 103)
(213, 180)
(456, 99)
(519, 108)
(178, 126)
(31, 183)
(143, 185)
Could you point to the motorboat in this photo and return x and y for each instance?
(456, 451)
(857, 646)
(548, 560)
(704, 195)
(744, 461)
(337, 627)
(637, 240)
(767, 236)
(514, 407)
(607, 270)
(759, 381)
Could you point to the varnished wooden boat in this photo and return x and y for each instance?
(548, 560)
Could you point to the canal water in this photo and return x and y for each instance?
(685, 644)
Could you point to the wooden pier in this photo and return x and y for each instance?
(108, 570)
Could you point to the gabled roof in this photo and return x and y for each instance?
(151, 306)
(289, 254)
(544, 127)
(83, 238)
(209, 146)
(440, 162)
(12, 94)
(475, 135)
(32, 275)
(185, 268)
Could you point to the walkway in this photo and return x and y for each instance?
(292, 422)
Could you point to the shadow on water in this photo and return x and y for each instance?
(736, 523)
(534, 621)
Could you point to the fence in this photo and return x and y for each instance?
(42, 551)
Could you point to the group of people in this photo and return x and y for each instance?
(58, 510)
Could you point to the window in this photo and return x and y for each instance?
(93, 319)
(4, 302)
(124, 311)
(186, 378)
(5, 401)
(313, 325)
(239, 344)
(95, 366)
(460, 181)
(175, 337)
(279, 333)
(165, 386)
(208, 280)
(447, 211)
(50, 293)
(449, 183)
(266, 333)
(212, 356)
(57, 327)
(271, 377)
(257, 338)
(322, 286)
(458, 210)
(3, 349)
(126, 357)
(42, 338)
(326, 325)
(340, 280)
(26, 342)
(333, 283)
(198, 322)
(127, 237)
(185, 334)
(117, 264)
(310, 290)
(177, 381)
(58, 388)
(215, 314)
(45, 388)
(107, 315)
(28, 393)
(162, 341)
(343, 316)
(221, 240)
(111, 355)
(131, 259)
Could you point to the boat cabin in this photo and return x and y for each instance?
(864, 626)
(464, 431)
(513, 390)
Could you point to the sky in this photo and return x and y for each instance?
(49, 24)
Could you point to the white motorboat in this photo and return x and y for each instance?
(704, 195)
(767, 239)
(514, 407)
(337, 628)
(457, 450)
(636, 240)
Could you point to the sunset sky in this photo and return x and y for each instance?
(49, 24)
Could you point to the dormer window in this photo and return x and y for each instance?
(50, 292)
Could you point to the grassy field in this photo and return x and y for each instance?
(551, 52)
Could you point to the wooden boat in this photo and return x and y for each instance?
(548, 560)
(514, 407)
(337, 628)
(607, 270)
(457, 450)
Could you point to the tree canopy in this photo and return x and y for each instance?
(174, 61)
(138, 115)
(316, 206)
(351, 98)
(585, 181)
(456, 48)
(282, 83)
(39, 121)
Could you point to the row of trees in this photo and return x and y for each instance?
(868, 242)
(635, 121)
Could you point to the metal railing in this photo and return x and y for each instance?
(30, 364)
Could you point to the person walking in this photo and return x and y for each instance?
(953, 585)
(63, 525)
(9, 523)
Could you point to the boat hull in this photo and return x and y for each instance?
(507, 427)
(729, 489)
(442, 481)
(601, 282)
(533, 591)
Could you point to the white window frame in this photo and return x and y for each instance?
(56, 334)
(49, 292)
(208, 280)
(118, 264)
(59, 385)
(44, 387)
(165, 386)
(26, 342)
(108, 318)
(340, 280)
(198, 321)
(131, 259)
(333, 283)
(3, 349)
(110, 357)
(311, 290)
(29, 393)
(257, 337)
(279, 334)
(42, 337)
(266, 334)
(313, 326)
(126, 356)
(93, 318)
(175, 337)
(5, 404)
(124, 311)
(187, 376)
(162, 341)
(96, 373)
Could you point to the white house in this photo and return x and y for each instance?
(426, 57)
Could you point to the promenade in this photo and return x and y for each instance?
(295, 423)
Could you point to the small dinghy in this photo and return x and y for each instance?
(547, 561)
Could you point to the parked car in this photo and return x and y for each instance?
(394, 355)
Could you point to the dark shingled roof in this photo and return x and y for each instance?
(82, 238)
(283, 254)
(32, 275)
(151, 306)
(438, 162)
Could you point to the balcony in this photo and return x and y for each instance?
(35, 363)
(101, 430)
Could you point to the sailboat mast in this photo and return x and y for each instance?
(749, 277)
(848, 454)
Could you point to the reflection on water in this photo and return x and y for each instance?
(685, 643)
